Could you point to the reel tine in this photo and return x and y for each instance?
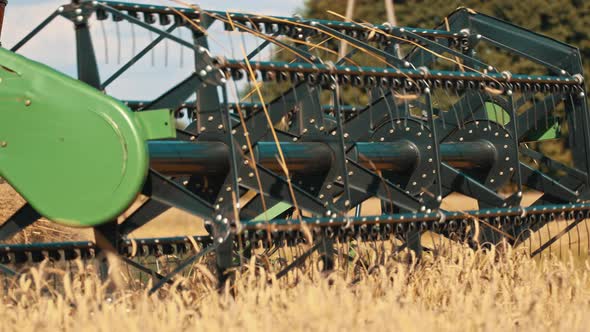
(549, 237)
(540, 237)
(579, 240)
(560, 228)
(118, 33)
(133, 41)
(530, 239)
(181, 53)
(105, 41)
(153, 51)
(165, 52)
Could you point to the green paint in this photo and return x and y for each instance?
(552, 132)
(499, 115)
(273, 212)
(157, 124)
(76, 155)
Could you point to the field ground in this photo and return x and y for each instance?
(460, 290)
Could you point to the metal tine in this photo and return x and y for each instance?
(243, 46)
(388, 107)
(579, 240)
(540, 237)
(118, 32)
(153, 51)
(460, 119)
(454, 113)
(407, 111)
(471, 110)
(293, 257)
(530, 241)
(165, 52)
(571, 100)
(181, 48)
(398, 115)
(569, 235)
(535, 116)
(133, 50)
(549, 236)
(561, 237)
(422, 100)
(437, 101)
(546, 112)
(106, 42)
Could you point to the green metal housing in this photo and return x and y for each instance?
(76, 155)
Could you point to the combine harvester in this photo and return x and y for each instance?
(298, 169)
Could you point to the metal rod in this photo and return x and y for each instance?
(136, 58)
(36, 30)
(133, 20)
(182, 157)
(3, 4)
(179, 157)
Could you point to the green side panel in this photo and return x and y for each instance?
(157, 124)
(273, 212)
(76, 155)
(497, 113)
(552, 132)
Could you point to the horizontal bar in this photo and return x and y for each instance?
(185, 158)
(139, 22)
(180, 157)
(380, 72)
(437, 216)
(139, 104)
(48, 246)
(242, 17)
(37, 29)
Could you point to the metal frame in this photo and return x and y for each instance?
(387, 118)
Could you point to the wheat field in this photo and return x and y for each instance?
(457, 290)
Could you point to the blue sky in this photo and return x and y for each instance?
(148, 78)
